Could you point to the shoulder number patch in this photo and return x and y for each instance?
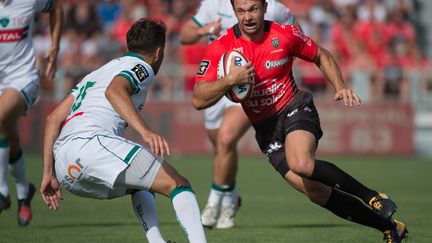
(141, 72)
(203, 67)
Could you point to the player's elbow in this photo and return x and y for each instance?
(198, 103)
(110, 93)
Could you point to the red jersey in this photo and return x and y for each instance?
(272, 59)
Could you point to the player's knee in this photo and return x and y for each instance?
(301, 166)
(177, 182)
(226, 142)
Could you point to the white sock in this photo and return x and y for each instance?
(215, 197)
(17, 169)
(188, 214)
(230, 197)
(144, 206)
(4, 160)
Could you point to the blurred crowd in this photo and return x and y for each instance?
(379, 44)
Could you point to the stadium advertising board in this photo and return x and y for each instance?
(378, 128)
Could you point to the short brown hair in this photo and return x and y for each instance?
(146, 36)
(262, 1)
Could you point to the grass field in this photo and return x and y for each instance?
(271, 211)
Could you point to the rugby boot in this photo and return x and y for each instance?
(210, 214)
(383, 205)
(24, 209)
(227, 215)
(397, 234)
(5, 202)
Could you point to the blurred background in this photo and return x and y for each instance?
(382, 46)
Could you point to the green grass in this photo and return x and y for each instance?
(271, 211)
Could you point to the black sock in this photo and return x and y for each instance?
(350, 208)
(334, 177)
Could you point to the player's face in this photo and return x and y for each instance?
(250, 15)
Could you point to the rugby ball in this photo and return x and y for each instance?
(237, 93)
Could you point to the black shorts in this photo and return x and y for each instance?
(299, 114)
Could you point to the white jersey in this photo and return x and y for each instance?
(16, 48)
(91, 112)
(212, 10)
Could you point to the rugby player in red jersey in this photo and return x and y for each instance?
(285, 118)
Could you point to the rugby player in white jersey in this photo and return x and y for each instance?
(84, 146)
(225, 121)
(19, 88)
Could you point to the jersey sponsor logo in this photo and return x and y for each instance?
(73, 174)
(272, 64)
(4, 22)
(269, 96)
(204, 65)
(13, 35)
(141, 72)
(275, 42)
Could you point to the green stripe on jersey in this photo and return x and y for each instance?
(197, 22)
(4, 142)
(131, 154)
(47, 6)
(134, 87)
(133, 54)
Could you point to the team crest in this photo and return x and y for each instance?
(141, 72)
(4, 22)
(275, 42)
(203, 67)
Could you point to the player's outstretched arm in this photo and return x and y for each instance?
(207, 93)
(56, 25)
(331, 71)
(118, 94)
(50, 188)
(191, 32)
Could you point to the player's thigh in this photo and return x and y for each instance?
(167, 179)
(315, 191)
(234, 124)
(12, 107)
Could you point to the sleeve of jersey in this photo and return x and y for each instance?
(281, 14)
(136, 74)
(205, 13)
(75, 90)
(207, 70)
(302, 46)
(43, 6)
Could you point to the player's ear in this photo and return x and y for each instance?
(265, 6)
(158, 54)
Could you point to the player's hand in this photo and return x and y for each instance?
(157, 143)
(50, 59)
(213, 28)
(348, 96)
(241, 74)
(51, 192)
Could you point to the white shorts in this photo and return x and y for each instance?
(27, 85)
(214, 114)
(88, 166)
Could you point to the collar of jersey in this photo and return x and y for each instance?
(133, 54)
(237, 31)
